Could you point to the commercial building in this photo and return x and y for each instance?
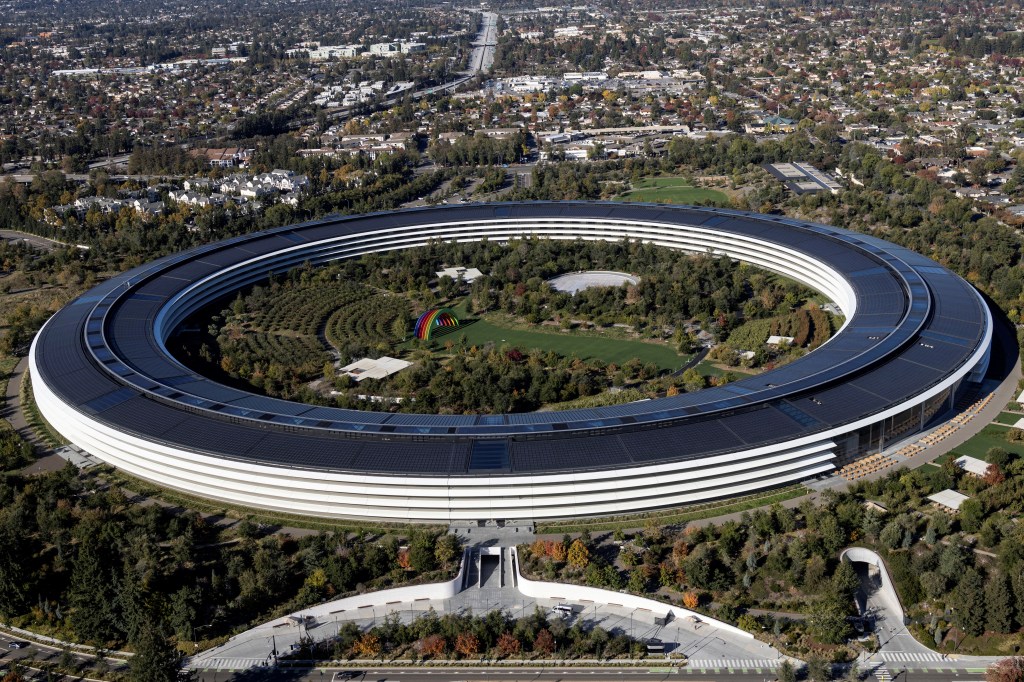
(914, 335)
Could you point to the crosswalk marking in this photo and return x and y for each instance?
(902, 656)
(227, 663)
(730, 663)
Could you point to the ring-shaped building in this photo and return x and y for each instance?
(914, 335)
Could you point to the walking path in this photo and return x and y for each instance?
(492, 585)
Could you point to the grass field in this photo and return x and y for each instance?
(671, 190)
(585, 347)
(989, 437)
(1008, 418)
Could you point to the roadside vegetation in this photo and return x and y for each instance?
(776, 572)
(81, 562)
(494, 636)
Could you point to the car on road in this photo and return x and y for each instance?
(17, 645)
(347, 675)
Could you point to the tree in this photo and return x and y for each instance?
(1006, 670)
(131, 605)
(14, 573)
(705, 570)
(578, 556)
(447, 549)
(818, 669)
(367, 646)
(467, 644)
(845, 581)
(969, 600)
(637, 582)
(544, 642)
(156, 658)
(14, 674)
(508, 644)
(787, 673)
(933, 584)
(422, 547)
(972, 513)
(92, 592)
(691, 600)
(832, 534)
(433, 645)
(891, 535)
(994, 475)
(827, 619)
(998, 604)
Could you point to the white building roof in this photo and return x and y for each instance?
(949, 499)
(780, 340)
(368, 368)
(467, 274)
(972, 465)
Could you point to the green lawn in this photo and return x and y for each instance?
(671, 190)
(585, 347)
(989, 437)
(1008, 418)
(708, 369)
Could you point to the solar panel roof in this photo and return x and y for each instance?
(914, 322)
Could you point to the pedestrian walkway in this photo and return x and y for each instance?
(904, 657)
(232, 664)
(734, 663)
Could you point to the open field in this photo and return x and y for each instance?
(585, 347)
(671, 190)
(989, 437)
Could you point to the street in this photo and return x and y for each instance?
(467, 674)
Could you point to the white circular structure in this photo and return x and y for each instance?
(914, 333)
(572, 282)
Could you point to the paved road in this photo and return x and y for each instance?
(46, 460)
(32, 240)
(705, 645)
(462, 674)
(482, 57)
(33, 654)
(894, 639)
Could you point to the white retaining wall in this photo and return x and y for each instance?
(575, 593)
(412, 593)
(888, 592)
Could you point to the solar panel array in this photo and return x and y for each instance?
(915, 321)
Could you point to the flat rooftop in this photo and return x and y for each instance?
(914, 323)
(379, 368)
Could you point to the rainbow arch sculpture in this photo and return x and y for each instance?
(432, 319)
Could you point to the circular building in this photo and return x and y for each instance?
(914, 335)
(573, 282)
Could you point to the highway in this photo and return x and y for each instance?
(483, 47)
(480, 61)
